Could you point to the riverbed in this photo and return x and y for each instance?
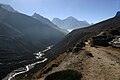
(39, 55)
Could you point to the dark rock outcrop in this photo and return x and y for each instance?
(118, 14)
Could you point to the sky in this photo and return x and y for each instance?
(92, 11)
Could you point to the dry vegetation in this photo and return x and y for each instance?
(101, 63)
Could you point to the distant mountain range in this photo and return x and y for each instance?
(70, 23)
(48, 22)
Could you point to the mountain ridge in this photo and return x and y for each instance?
(70, 23)
(48, 22)
(7, 7)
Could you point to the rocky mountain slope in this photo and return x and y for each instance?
(13, 49)
(41, 35)
(70, 23)
(20, 37)
(11, 38)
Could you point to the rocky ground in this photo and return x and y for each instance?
(94, 63)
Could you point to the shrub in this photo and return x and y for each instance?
(65, 75)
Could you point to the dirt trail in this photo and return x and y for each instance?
(104, 66)
(94, 63)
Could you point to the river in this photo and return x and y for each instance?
(29, 66)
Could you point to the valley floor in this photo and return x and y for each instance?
(95, 63)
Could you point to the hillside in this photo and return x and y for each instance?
(82, 34)
(20, 37)
(13, 49)
(11, 38)
(101, 63)
(34, 30)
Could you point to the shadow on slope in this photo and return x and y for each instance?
(65, 75)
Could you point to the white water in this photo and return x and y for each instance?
(28, 67)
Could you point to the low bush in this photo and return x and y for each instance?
(65, 75)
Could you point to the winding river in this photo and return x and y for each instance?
(30, 66)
